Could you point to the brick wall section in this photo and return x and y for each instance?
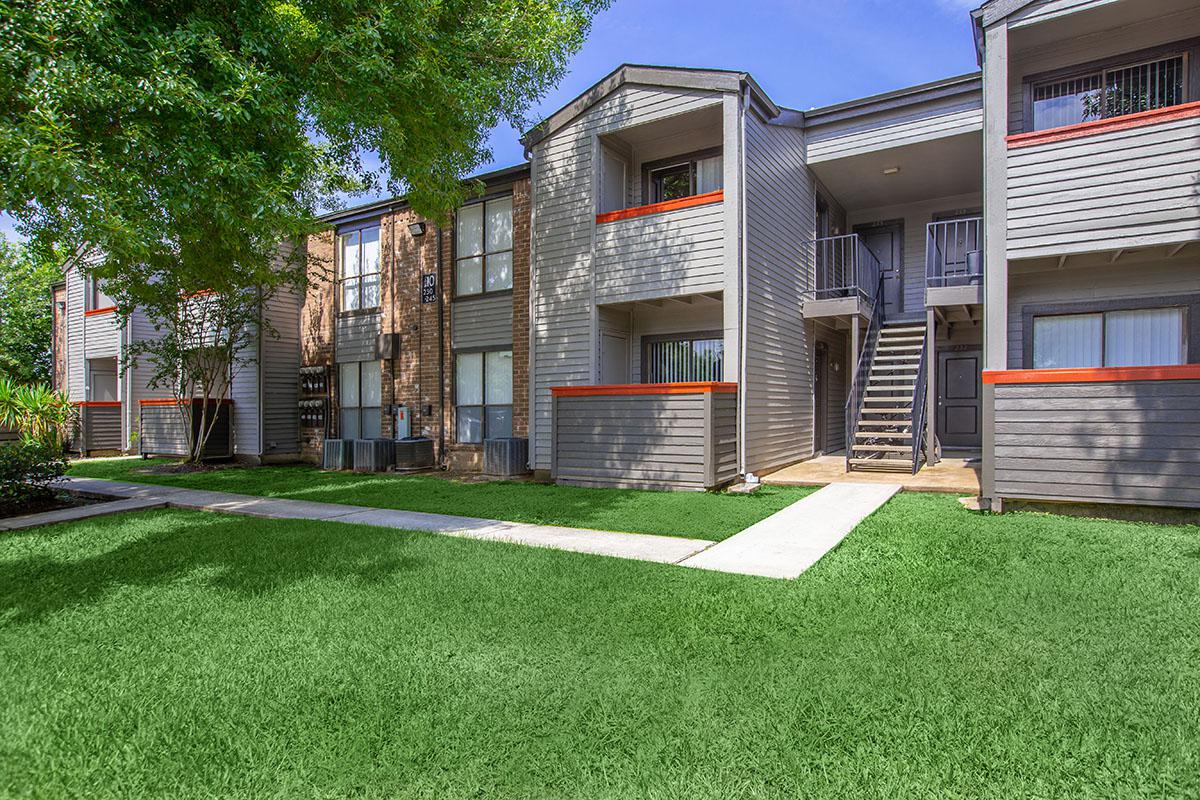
(59, 302)
(522, 205)
(417, 378)
(316, 327)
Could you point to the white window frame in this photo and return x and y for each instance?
(484, 404)
(361, 276)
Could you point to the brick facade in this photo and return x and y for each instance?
(421, 377)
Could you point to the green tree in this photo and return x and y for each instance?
(26, 321)
(198, 134)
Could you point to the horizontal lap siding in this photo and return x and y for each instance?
(655, 441)
(1121, 281)
(103, 336)
(673, 253)
(780, 213)
(139, 374)
(76, 362)
(357, 337)
(1129, 442)
(1135, 187)
(164, 432)
(724, 437)
(482, 322)
(836, 390)
(280, 376)
(886, 130)
(562, 239)
(101, 428)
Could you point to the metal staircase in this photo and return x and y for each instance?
(886, 411)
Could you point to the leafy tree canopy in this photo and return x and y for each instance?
(26, 275)
(187, 137)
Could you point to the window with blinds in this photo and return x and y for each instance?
(1149, 337)
(683, 359)
(1110, 93)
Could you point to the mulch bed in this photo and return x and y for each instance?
(55, 502)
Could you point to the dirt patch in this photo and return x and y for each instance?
(55, 502)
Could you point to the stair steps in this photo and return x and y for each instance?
(883, 433)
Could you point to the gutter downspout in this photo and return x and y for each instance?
(531, 388)
(441, 289)
(743, 273)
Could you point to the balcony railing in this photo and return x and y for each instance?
(844, 267)
(954, 253)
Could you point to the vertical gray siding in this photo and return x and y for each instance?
(481, 322)
(668, 441)
(780, 213)
(1129, 442)
(357, 337)
(1127, 188)
(673, 253)
(563, 229)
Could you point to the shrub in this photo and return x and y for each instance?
(27, 470)
(37, 412)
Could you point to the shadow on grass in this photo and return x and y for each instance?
(230, 554)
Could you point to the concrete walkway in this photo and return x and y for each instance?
(782, 546)
(787, 543)
(640, 547)
(77, 513)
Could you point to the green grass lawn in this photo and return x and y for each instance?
(936, 653)
(709, 515)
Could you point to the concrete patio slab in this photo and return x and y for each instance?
(950, 475)
(790, 541)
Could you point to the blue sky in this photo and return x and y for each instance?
(804, 53)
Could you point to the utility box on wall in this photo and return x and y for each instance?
(403, 421)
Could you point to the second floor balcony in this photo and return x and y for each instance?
(954, 262)
(845, 277)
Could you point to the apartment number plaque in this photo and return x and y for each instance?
(428, 288)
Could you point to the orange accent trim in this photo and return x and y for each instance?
(201, 293)
(644, 388)
(170, 401)
(99, 404)
(658, 208)
(1182, 372)
(93, 312)
(1138, 120)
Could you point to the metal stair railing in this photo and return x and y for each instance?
(862, 372)
(919, 406)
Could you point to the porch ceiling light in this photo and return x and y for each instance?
(416, 229)
(891, 170)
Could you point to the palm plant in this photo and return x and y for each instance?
(36, 412)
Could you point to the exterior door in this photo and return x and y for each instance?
(886, 243)
(960, 390)
(614, 360)
(820, 395)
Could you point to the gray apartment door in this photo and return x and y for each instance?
(886, 241)
(960, 390)
(820, 395)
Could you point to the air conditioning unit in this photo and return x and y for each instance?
(374, 455)
(505, 457)
(415, 452)
(339, 454)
